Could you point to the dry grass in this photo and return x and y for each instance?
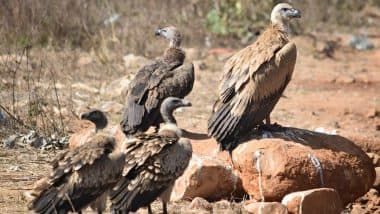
(81, 23)
(43, 39)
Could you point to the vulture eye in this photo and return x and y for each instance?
(163, 30)
(285, 9)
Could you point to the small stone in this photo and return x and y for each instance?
(199, 203)
(378, 127)
(207, 177)
(10, 142)
(314, 201)
(372, 113)
(3, 117)
(223, 204)
(266, 207)
(345, 79)
(84, 60)
(357, 209)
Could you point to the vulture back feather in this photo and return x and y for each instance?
(253, 81)
(153, 162)
(165, 77)
(79, 176)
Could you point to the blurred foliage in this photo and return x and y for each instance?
(82, 23)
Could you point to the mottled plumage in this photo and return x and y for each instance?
(153, 163)
(165, 77)
(254, 80)
(79, 176)
(82, 175)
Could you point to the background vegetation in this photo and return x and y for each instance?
(44, 41)
(126, 24)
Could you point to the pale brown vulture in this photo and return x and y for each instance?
(165, 77)
(254, 80)
(82, 175)
(136, 172)
(153, 163)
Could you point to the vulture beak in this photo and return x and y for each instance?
(186, 103)
(293, 13)
(158, 32)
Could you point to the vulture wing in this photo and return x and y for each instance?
(150, 89)
(78, 177)
(153, 163)
(252, 84)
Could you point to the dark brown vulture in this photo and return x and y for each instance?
(165, 77)
(254, 80)
(153, 163)
(82, 175)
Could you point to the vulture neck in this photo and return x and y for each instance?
(167, 116)
(282, 26)
(170, 127)
(174, 55)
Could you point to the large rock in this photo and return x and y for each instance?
(266, 208)
(314, 201)
(206, 177)
(274, 164)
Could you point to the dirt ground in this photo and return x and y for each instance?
(340, 93)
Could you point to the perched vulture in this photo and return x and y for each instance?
(153, 163)
(82, 175)
(165, 77)
(254, 80)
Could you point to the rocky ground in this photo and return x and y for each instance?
(339, 94)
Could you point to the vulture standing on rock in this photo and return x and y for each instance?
(82, 175)
(153, 163)
(254, 80)
(154, 82)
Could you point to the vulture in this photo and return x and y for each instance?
(165, 77)
(134, 173)
(253, 81)
(81, 176)
(153, 163)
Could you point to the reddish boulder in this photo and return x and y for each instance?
(207, 177)
(277, 163)
(314, 201)
(266, 208)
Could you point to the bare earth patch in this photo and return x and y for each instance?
(341, 94)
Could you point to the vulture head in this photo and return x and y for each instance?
(167, 108)
(169, 105)
(170, 33)
(97, 117)
(282, 13)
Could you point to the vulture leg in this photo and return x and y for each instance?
(164, 208)
(150, 209)
(267, 120)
